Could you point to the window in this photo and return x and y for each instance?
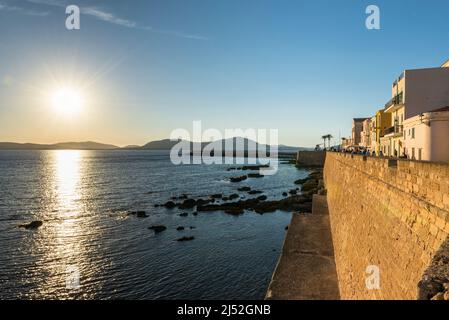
(419, 154)
(413, 133)
(413, 153)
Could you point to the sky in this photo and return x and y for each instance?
(141, 69)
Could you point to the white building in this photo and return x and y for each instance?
(413, 93)
(426, 136)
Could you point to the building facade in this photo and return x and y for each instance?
(365, 135)
(357, 128)
(383, 121)
(413, 93)
(426, 136)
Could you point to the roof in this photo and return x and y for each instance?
(445, 65)
(359, 119)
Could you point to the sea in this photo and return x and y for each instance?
(90, 247)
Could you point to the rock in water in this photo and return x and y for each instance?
(32, 225)
(138, 214)
(185, 239)
(238, 179)
(184, 214)
(158, 229)
(180, 228)
(188, 204)
(170, 205)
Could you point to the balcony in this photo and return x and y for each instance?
(396, 130)
(396, 82)
(395, 103)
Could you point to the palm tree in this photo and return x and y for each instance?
(329, 137)
(324, 140)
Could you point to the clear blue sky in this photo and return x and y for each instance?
(148, 67)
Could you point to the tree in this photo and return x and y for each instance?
(324, 140)
(329, 137)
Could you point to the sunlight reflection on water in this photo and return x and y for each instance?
(67, 242)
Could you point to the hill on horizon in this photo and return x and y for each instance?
(165, 144)
(86, 145)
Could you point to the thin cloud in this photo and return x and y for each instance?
(109, 17)
(5, 7)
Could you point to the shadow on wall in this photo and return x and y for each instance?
(434, 283)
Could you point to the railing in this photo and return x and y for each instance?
(398, 99)
(397, 129)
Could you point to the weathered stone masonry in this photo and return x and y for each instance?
(390, 213)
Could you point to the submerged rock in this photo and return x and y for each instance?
(252, 192)
(184, 214)
(294, 203)
(262, 198)
(187, 204)
(255, 175)
(185, 239)
(170, 204)
(238, 179)
(180, 228)
(234, 196)
(32, 225)
(244, 189)
(158, 228)
(138, 214)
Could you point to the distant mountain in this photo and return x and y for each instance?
(248, 144)
(165, 144)
(87, 145)
(131, 147)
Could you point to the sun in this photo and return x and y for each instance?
(67, 101)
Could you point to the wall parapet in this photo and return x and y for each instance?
(390, 213)
(310, 158)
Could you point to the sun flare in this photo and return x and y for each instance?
(67, 101)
